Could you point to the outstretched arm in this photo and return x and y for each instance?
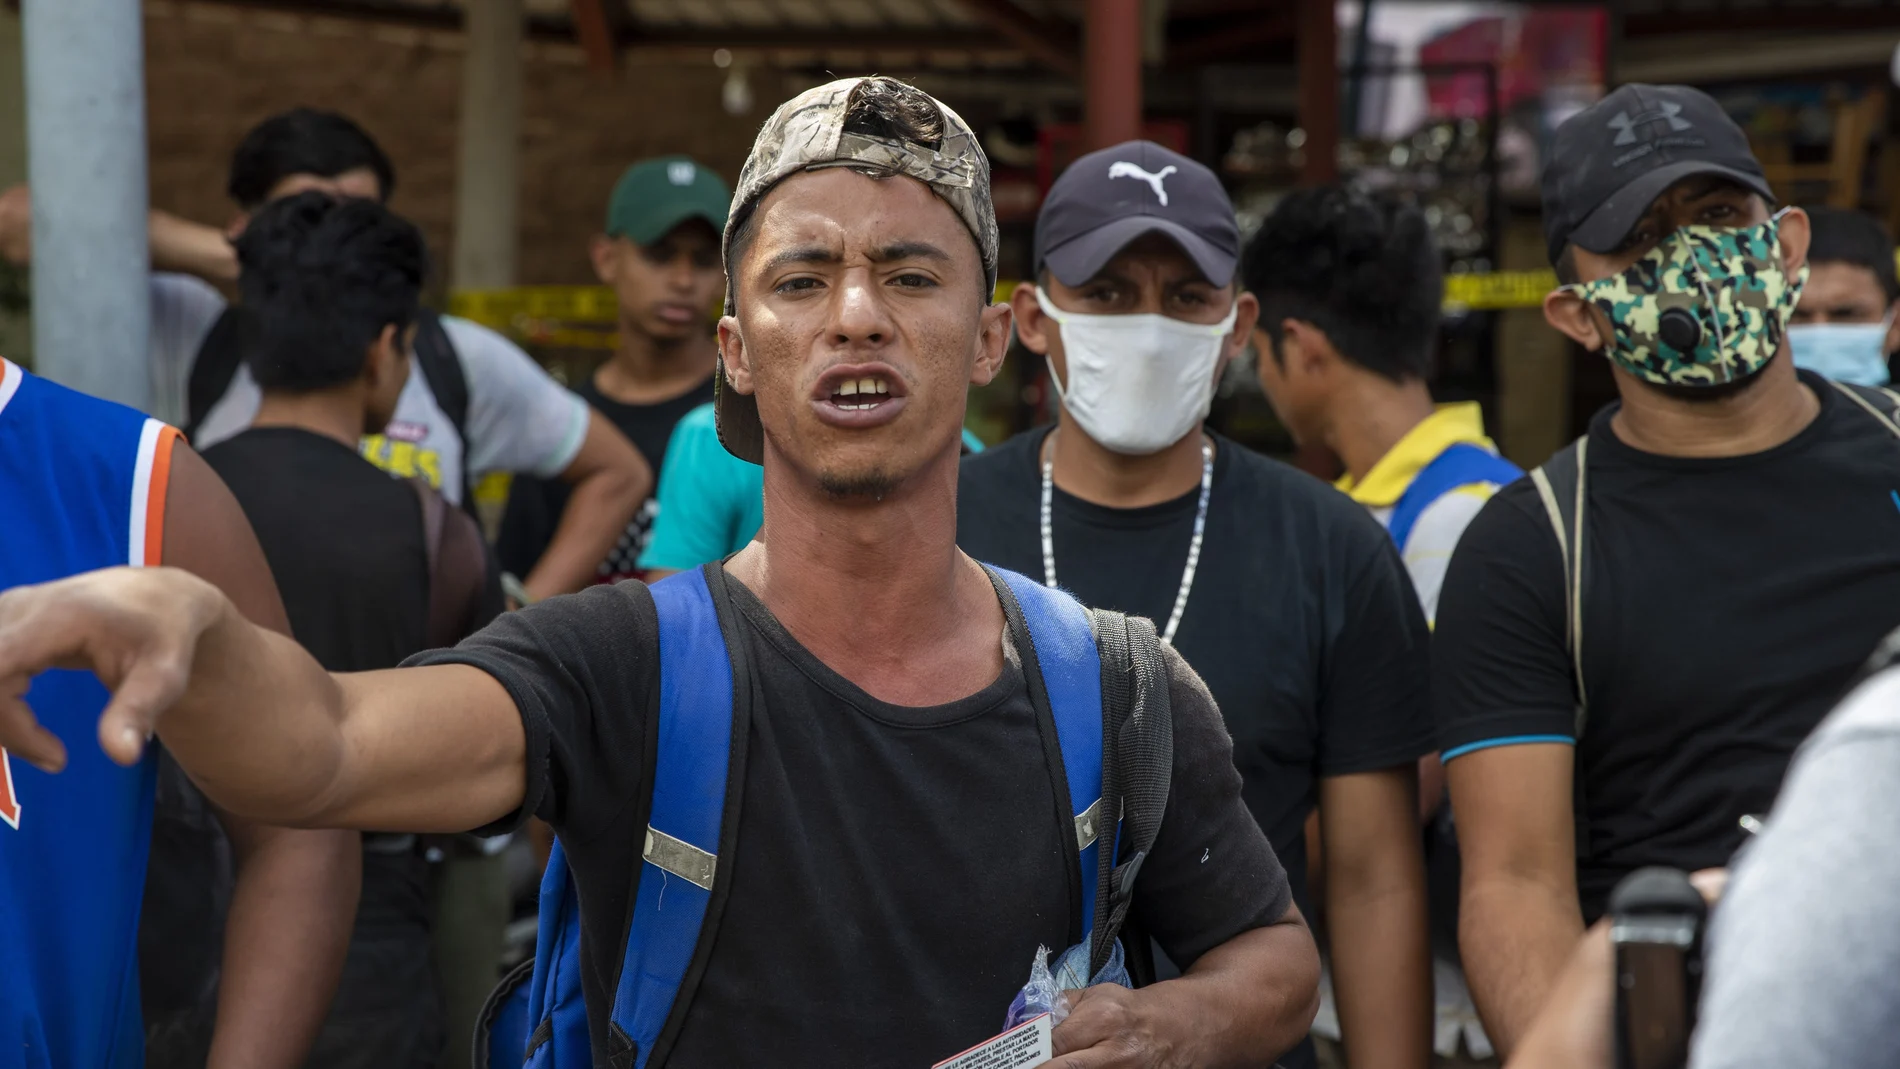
(295, 895)
(409, 749)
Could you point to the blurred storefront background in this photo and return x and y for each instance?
(1447, 103)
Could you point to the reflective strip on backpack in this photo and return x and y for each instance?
(680, 858)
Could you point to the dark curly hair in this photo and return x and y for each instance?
(303, 141)
(1360, 267)
(324, 277)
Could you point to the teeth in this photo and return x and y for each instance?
(861, 387)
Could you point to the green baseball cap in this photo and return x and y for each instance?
(656, 195)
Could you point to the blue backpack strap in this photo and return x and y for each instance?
(1461, 464)
(555, 1018)
(1063, 638)
(689, 800)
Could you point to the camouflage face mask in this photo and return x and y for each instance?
(1706, 306)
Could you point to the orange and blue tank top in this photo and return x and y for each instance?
(82, 486)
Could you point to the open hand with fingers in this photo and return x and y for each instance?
(137, 629)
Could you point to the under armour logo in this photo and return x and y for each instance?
(1625, 124)
(680, 173)
(1124, 169)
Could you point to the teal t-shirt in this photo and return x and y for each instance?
(711, 502)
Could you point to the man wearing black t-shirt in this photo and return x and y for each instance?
(1740, 551)
(333, 284)
(898, 858)
(1283, 594)
(660, 253)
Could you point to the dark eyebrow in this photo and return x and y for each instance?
(907, 250)
(804, 254)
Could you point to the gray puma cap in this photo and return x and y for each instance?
(806, 133)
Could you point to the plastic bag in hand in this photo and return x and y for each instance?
(1045, 991)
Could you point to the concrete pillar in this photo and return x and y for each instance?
(487, 185)
(1318, 46)
(85, 98)
(1111, 45)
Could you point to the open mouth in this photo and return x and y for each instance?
(862, 393)
(860, 396)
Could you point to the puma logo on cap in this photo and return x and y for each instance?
(1124, 169)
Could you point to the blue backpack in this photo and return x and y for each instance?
(1096, 674)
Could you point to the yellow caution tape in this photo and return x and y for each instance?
(1499, 290)
(585, 317)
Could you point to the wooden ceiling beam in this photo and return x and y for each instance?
(1055, 46)
(597, 33)
(541, 28)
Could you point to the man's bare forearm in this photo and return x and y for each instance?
(1251, 998)
(286, 936)
(258, 725)
(609, 478)
(179, 244)
(597, 514)
(1515, 936)
(1382, 977)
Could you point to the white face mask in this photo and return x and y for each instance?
(1137, 383)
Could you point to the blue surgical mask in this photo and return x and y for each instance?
(1854, 353)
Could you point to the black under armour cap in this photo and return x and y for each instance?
(1609, 162)
(1109, 198)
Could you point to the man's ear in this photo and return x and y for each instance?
(235, 228)
(1892, 341)
(1246, 315)
(384, 358)
(602, 251)
(732, 351)
(1032, 326)
(992, 344)
(1305, 349)
(1573, 317)
(1796, 232)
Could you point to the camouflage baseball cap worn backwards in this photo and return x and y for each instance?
(807, 133)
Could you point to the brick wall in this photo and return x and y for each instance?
(212, 71)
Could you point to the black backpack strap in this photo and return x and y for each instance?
(1881, 403)
(435, 355)
(219, 357)
(1137, 766)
